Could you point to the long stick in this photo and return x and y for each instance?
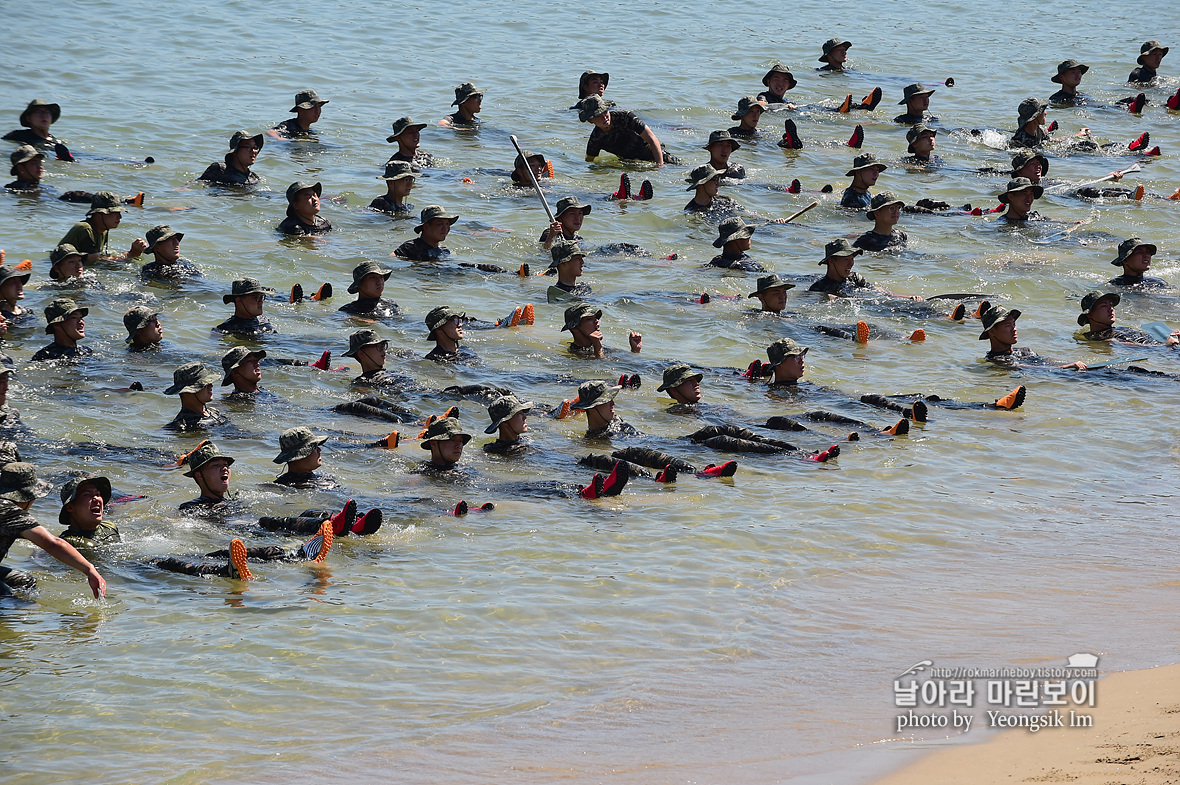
(1111, 176)
(533, 179)
(796, 215)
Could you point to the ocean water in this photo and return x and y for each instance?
(742, 630)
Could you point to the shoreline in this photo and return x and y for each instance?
(1135, 738)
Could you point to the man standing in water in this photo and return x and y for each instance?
(307, 108)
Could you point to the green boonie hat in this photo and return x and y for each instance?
(746, 104)
(504, 409)
(296, 443)
(19, 483)
(403, 124)
(240, 288)
(22, 154)
(721, 136)
(432, 211)
(62, 252)
(54, 110)
(576, 313)
(9, 452)
(595, 393)
(8, 272)
(527, 156)
(1021, 159)
(362, 338)
(58, 310)
(915, 133)
(307, 99)
(779, 68)
(190, 378)
(831, 44)
(701, 175)
(202, 455)
(241, 136)
(160, 233)
(1147, 48)
(234, 358)
(1126, 248)
(591, 106)
(1091, 299)
(366, 268)
(444, 429)
(733, 228)
(465, 91)
(678, 374)
(440, 316)
(1065, 65)
(571, 203)
(302, 185)
(587, 76)
(993, 316)
(912, 91)
(883, 199)
(105, 202)
(865, 161)
(397, 170)
(564, 252)
(136, 319)
(784, 348)
(839, 247)
(768, 282)
(1028, 109)
(1019, 184)
(69, 492)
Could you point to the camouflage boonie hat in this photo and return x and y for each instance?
(59, 310)
(519, 161)
(105, 202)
(831, 44)
(586, 77)
(839, 247)
(63, 252)
(570, 203)
(993, 316)
(202, 455)
(564, 252)
(302, 185)
(1028, 109)
(240, 288)
(241, 136)
(19, 483)
(722, 136)
(768, 282)
(234, 358)
(784, 348)
(440, 316)
(1019, 184)
(733, 228)
(1021, 159)
(362, 338)
(912, 91)
(1147, 48)
(701, 175)
(779, 68)
(883, 199)
(160, 233)
(296, 443)
(366, 268)
(398, 170)
(1126, 248)
(9, 452)
(136, 319)
(591, 106)
(865, 161)
(1065, 65)
(504, 409)
(915, 133)
(307, 99)
(54, 111)
(746, 104)
(576, 313)
(1091, 299)
(8, 272)
(403, 124)
(465, 91)
(432, 211)
(678, 374)
(595, 393)
(191, 378)
(22, 154)
(444, 429)
(69, 492)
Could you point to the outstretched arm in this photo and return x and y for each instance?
(68, 555)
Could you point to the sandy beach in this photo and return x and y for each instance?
(1134, 740)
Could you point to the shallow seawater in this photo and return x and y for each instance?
(738, 630)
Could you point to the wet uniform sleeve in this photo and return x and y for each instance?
(594, 144)
(13, 522)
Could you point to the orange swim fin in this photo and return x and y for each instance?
(846, 107)
(862, 332)
(529, 315)
(237, 560)
(182, 460)
(27, 264)
(1012, 400)
(899, 428)
(1138, 192)
(918, 335)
